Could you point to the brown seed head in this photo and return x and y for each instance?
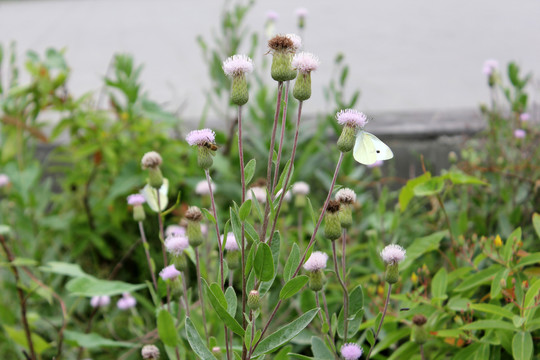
(333, 206)
(419, 319)
(281, 43)
(260, 182)
(193, 213)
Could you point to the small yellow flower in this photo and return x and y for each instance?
(124, 116)
(414, 278)
(498, 241)
(380, 290)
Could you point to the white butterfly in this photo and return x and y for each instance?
(368, 149)
(150, 196)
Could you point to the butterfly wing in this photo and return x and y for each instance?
(150, 196)
(368, 149)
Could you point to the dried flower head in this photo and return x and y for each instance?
(230, 244)
(419, 319)
(490, 66)
(150, 352)
(151, 160)
(281, 43)
(346, 196)
(297, 41)
(126, 302)
(193, 213)
(176, 244)
(305, 62)
(136, 199)
(300, 188)
(237, 65)
(393, 254)
(317, 261)
(201, 137)
(333, 206)
(202, 187)
(4, 180)
(351, 117)
(351, 351)
(169, 272)
(258, 193)
(175, 230)
(520, 133)
(100, 301)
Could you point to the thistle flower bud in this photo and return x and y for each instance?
(301, 13)
(216, 350)
(332, 224)
(347, 139)
(315, 266)
(150, 352)
(151, 161)
(300, 189)
(316, 280)
(282, 48)
(205, 141)
(236, 67)
(180, 262)
(136, 200)
(254, 300)
(419, 333)
(392, 255)
(305, 63)
(351, 351)
(194, 232)
(346, 198)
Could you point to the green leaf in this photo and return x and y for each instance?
(356, 313)
(245, 209)
(90, 286)
(489, 324)
(93, 340)
(510, 243)
(421, 246)
(20, 261)
(63, 268)
(293, 286)
(522, 346)
(264, 263)
(249, 170)
(236, 225)
(319, 349)
(462, 178)
(477, 279)
(292, 262)
(275, 248)
(221, 311)
(536, 223)
(493, 309)
(430, 187)
(370, 337)
(19, 337)
(496, 282)
(209, 216)
(406, 194)
(285, 333)
(166, 330)
(232, 300)
(196, 342)
(439, 284)
(311, 212)
(530, 297)
(531, 259)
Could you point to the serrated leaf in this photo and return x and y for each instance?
(264, 263)
(166, 330)
(196, 343)
(249, 170)
(285, 333)
(293, 286)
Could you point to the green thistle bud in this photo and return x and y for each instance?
(347, 139)
(419, 333)
(392, 255)
(194, 231)
(392, 273)
(346, 198)
(300, 200)
(332, 224)
(152, 161)
(138, 213)
(233, 259)
(302, 87)
(180, 262)
(239, 92)
(254, 300)
(316, 280)
(155, 178)
(345, 216)
(281, 66)
(176, 286)
(204, 157)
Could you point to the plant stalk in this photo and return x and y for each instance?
(382, 319)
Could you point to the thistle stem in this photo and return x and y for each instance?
(199, 282)
(345, 292)
(162, 240)
(423, 356)
(283, 123)
(147, 252)
(330, 333)
(184, 284)
(242, 236)
(382, 319)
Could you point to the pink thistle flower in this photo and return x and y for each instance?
(126, 302)
(525, 117)
(202, 188)
(4, 180)
(351, 117)
(297, 41)
(176, 244)
(100, 301)
(490, 66)
(393, 254)
(136, 199)
(230, 244)
(351, 351)
(258, 192)
(287, 197)
(300, 188)
(200, 137)
(305, 62)
(272, 15)
(520, 133)
(301, 12)
(377, 163)
(169, 272)
(317, 261)
(237, 65)
(175, 230)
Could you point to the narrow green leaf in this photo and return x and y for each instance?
(496, 282)
(479, 278)
(293, 286)
(19, 337)
(319, 349)
(285, 333)
(421, 246)
(63, 268)
(311, 212)
(275, 248)
(522, 346)
(531, 259)
(232, 300)
(209, 216)
(513, 239)
(221, 311)
(370, 337)
(196, 342)
(166, 330)
(292, 262)
(536, 223)
(462, 178)
(249, 170)
(264, 263)
(489, 324)
(245, 209)
(493, 309)
(439, 284)
(406, 194)
(90, 286)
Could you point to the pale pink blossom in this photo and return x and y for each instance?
(351, 117)
(4, 180)
(176, 244)
(169, 272)
(393, 253)
(351, 351)
(237, 65)
(317, 261)
(230, 243)
(300, 188)
(201, 137)
(520, 133)
(175, 230)
(136, 199)
(490, 66)
(126, 302)
(100, 301)
(305, 62)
